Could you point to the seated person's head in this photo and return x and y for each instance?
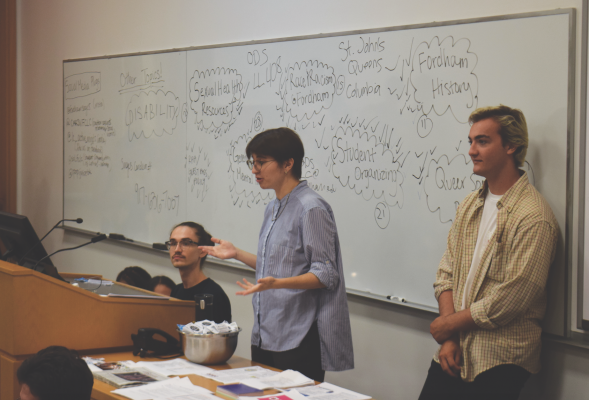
(55, 373)
(184, 241)
(162, 285)
(135, 276)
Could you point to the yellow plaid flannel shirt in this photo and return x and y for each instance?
(508, 296)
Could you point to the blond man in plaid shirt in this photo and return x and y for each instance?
(491, 282)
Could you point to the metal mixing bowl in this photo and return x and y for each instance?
(210, 348)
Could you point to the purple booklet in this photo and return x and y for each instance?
(239, 389)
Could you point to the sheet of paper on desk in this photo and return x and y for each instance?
(285, 379)
(139, 296)
(99, 282)
(288, 395)
(238, 375)
(327, 391)
(94, 368)
(175, 388)
(178, 366)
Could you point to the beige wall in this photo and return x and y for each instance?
(392, 344)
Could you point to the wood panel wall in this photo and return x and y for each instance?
(8, 105)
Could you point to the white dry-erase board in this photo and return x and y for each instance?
(154, 139)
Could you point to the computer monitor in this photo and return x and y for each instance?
(21, 244)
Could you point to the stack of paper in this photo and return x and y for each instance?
(126, 377)
(285, 379)
(100, 282)
(178, 366)
(323, 391)
(327, 391)
(172, 389)
(238, 375)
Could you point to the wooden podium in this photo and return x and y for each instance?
(37, 311)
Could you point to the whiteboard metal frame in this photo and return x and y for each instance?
(568, 250)
(570, 174)
(581, 323)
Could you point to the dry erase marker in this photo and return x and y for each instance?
(401, 299)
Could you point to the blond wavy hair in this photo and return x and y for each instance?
(513, 128)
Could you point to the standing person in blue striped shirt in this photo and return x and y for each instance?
(301, 318)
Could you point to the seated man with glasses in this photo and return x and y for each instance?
(188, 258)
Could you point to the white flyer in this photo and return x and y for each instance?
(239, 374)
(328, 391)
(178, 366)
(175, 388)
(283, 380)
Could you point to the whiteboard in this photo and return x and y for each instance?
(151, 140)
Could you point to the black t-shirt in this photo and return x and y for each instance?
(221, 303)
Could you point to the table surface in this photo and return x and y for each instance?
(102, 391)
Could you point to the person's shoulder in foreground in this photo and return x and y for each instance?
(55, 373)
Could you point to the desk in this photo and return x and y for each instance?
(102, 391)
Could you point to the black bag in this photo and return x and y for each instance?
(146, 345)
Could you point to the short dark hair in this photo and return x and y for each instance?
(135, 276)
(162, 280)
(204, 238)
(281, 144)
(57, 373)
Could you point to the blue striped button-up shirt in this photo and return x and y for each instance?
(302, 239)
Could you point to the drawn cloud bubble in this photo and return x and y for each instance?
(443, 79)
(306, 89)
(362, 164)
(447, 183)
(245, 191)
(215, 95)
(81, 85)
(152, 113)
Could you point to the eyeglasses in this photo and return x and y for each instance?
(184, 243)
(258, 164)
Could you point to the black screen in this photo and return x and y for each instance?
(21, 244)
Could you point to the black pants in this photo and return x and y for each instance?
(503, 382)
(306, 358)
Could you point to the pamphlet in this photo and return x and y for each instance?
(175, 388)
(125, 377)
(328, 391)
(283, 380)
(238, 375)
(178, 366)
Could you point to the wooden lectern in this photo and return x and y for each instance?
(37, 311)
